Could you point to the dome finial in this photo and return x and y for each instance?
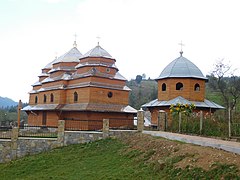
(98, 40)
(75, 41)
(181, 44)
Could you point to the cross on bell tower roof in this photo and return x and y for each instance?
(181, 44)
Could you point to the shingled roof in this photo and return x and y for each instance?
(98, 51)
(181, 68)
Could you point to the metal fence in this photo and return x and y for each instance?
(211, 125)
(38, 131)
(5, 132)
(121, 123)
(83, 125)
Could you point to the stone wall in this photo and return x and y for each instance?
(30, 146)
(5, 151)
(24, 146)
(78, 137)
(10, 150)
(18, 147)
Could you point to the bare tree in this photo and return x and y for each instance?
(223, 79)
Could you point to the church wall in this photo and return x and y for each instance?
(108, 81)
(84, 69)
(97, 59)
(36, 118)
(56, 73)
(102, 69)
(54, 83)
(42, 78)
(197, 95)
(101, 95)
(116, 119)
(79, 80)
(32, 98)
(65, 64)
(37, 87)
(187, 92)
(83, 95)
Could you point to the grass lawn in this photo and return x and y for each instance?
(98, 160)
(104, 159)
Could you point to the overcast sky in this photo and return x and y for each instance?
(143, 35)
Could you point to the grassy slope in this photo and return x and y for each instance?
(99, 160)
(105, 159)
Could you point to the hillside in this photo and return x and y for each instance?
(142, 92)
(7, 102)
(137, 156)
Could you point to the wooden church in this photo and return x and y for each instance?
(181, 82)
(76, 87)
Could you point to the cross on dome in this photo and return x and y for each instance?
(181, 44)
(98, 37)
(75, 40)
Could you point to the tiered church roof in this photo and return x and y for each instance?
(73, 66)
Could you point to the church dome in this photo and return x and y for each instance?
(181, 68)
(71, 56)
(98, 51)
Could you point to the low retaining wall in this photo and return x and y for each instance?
(11, 149)
(78, 137)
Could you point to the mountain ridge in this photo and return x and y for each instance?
(7, 102)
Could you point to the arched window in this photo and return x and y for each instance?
(44, 98)
(179, 86)
(196, 87)
(164, 87)
(36, 99)
(51, 97)
(110, 94)
(75, 96)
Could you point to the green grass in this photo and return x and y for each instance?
(105, 159)
(98, 160)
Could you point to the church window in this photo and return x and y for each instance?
(164, 87)
(36, 99)
(51, 97)
(75, 96)
(44, 98)
(179, 86)
(110, 94)
(196, 87)
(108, 70)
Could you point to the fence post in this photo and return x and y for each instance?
(105, 128)
(180, 121)
(166, 121)
(162, 120)
(201, 121)
(61, 128)
(140, 120)
(229, 122)
(14, 138)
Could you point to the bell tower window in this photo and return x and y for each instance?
(164, 87)
(179, 86)
(196, 87)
